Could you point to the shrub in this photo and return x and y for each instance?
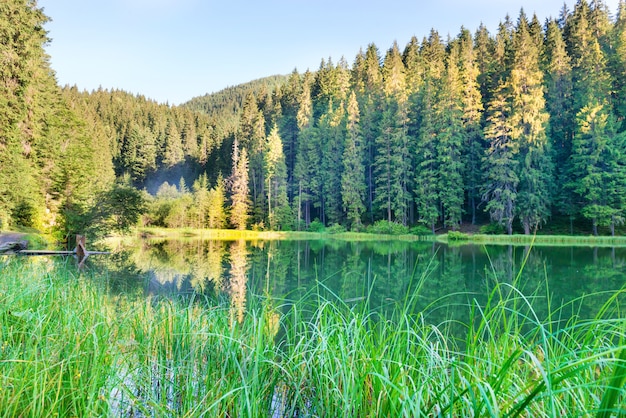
(316, 226)
(336, 229)
(420, 230)
(457, 236)
(492, 229)
(386, 227)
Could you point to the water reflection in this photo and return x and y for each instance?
(238, 280)
(446, 281)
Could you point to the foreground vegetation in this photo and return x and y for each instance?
(69, 347)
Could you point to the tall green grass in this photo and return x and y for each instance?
(67, 347)
(459, 238)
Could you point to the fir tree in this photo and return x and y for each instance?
(500, 188)
(353, 176)
(448, 125)
(473, 144)
(529, 119)
(279, 212)
(238, 182)
(216, 200)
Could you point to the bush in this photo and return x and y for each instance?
(388, 228)
(457, 236)
(420, 230)
(492, 229)
(316, 226)
(336, 229)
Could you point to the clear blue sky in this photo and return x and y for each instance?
(173, 50)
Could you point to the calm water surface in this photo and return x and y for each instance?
(446, 280)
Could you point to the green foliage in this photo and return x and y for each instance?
(492, 229)
(457, 236)
(119, 208)
(316, 226)
(420, 230)
(385, 227)
(523, 123)
(335, 229)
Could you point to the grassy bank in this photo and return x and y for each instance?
(233, 235)
(69, 348)
(455, 238)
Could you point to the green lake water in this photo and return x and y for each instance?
(442, 282)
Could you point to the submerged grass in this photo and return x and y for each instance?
(69, 348)
(535, 240)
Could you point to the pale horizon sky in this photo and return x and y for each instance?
(174, 50)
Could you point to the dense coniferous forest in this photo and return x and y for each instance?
(519, 129)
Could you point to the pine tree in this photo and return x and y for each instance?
(595, 167)
(397, 151)
(500, 188)
(353, 176)
(331, 135)
(279, 212)
(529, 120)
(173, 153)
(474, 142)
(448, 125)
(253, 138)
(618, 65)
(425, 127)
(305, 167)
(238, 182)
(216, 200)
(558, 82)
(200, 189)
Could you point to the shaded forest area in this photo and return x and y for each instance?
(520, 129)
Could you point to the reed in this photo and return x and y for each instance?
(69, 347)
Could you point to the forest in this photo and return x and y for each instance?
(517, 131)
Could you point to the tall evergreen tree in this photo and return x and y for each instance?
(474, 143)
(238, 182)
(596, 171)
(279, 212)
(448, 125)
(500, 188)
(353, 176)
(306, 160)
(331, 131)
(425, 127)
(558, 82)
(253, 139)
(216, 201)
(529, 120)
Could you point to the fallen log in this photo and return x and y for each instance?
(13, 246)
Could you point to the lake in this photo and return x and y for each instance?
(553, 283)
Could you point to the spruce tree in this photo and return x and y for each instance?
(425, 127)
(529, 120)
(253, 139)
(501, 185)
(353, 176)
(279, 212)
(238, 184)
(448, 125)
(558, 82)
(474, 142)
(216, 201)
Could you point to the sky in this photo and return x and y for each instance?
(173, 50)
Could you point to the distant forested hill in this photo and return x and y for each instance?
(522, 128)
(225, 105)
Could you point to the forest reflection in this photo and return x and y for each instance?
(446, 281)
